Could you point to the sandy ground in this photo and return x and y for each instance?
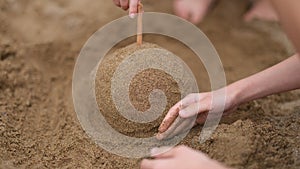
(39, 43)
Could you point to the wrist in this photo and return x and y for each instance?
(238, 93)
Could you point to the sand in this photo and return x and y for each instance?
(38, 126)
(140, 87)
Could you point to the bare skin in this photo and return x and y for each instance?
(196, 10)
(285, 76)
(282, 77)
(262, 10)
(192, 10)
(131, 6)
(179, 157)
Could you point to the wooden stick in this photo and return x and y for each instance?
(139, 38)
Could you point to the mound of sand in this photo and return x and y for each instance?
(139, 90)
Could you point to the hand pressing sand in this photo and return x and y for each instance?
(180, 116)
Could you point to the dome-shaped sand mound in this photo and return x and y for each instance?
(139, 90)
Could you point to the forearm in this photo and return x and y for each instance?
(289, 16)
(282, 77)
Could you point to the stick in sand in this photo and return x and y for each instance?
(139, 38)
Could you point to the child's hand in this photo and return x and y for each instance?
(131, 4)
(178, 158)
(180, 117)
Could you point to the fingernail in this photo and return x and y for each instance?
(132, 15)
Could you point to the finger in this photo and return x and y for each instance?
(124, 4)
(179, 126)
(117, 3)
(163, 135)
(174, 111)
(169, 119)
(162, 152)
(133, 7)
(190, 99)
(183, 127)
(193, 110)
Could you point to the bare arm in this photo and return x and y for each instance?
(282, 77)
